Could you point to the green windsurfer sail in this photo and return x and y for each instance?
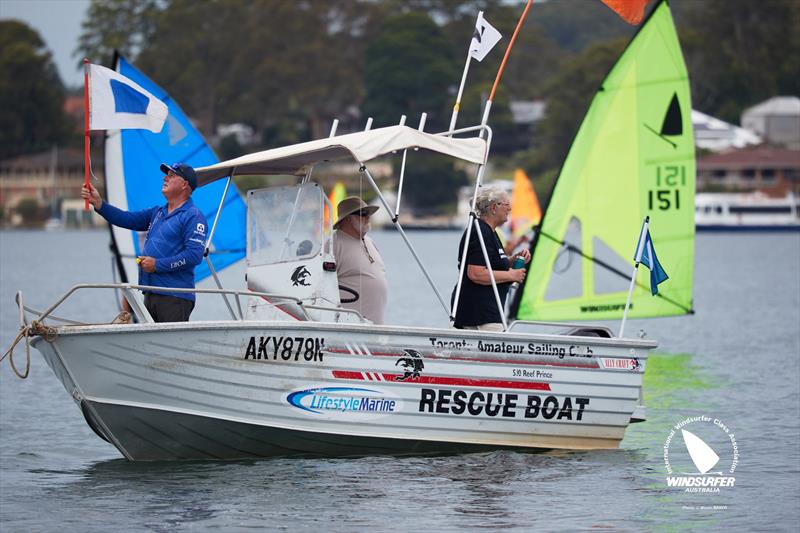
(633, 157)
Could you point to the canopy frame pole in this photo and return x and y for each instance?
(207, 247)
(491, 272)
(219, 210)
(363, 169)
(422, 120)
(224, 296)
(636, 261)
(402, 173)
(457, 105)
(307, 176)
(483, 129)
(472, 215)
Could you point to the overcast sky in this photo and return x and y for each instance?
(59, 24)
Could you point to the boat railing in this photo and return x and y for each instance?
(137, 306)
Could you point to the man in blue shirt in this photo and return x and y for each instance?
(174, 244)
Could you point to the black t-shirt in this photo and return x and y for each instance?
(476, 304)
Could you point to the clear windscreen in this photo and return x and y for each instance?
(284, 224)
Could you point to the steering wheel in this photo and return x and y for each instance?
(349, 291)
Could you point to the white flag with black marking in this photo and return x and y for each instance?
(484, 38)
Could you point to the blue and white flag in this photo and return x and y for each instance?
(118, 103)
(646, 255)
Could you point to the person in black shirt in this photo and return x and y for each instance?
(477, 307)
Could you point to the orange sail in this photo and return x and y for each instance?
(525, 209)
(338, 193)
(630, 10)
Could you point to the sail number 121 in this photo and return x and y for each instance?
(669, 179)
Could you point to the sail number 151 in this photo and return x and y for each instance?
(669, 180)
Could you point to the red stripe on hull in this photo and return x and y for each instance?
(592, 364)
(452, 381)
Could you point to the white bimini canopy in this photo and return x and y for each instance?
(361, 146)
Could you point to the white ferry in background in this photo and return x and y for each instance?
(753, 211)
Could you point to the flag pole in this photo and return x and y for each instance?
(457, 105)
(86, 129)
(488, 107)
(636, 260)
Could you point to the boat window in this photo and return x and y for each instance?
(718, 209)
(760, 209)
(284, 224)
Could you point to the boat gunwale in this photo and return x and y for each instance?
(215, 325)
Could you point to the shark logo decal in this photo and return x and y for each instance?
(412, 365)
(300, 276)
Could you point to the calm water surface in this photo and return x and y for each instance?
(737, 359)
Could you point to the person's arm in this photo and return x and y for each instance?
(194, 241)
(480, 275)
(477, 270)
(134, 220)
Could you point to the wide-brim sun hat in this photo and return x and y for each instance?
(350, 205)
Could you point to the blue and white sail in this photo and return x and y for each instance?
(133, 181)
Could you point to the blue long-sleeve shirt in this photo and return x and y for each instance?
(176, 240)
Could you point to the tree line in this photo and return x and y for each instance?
(287, 68)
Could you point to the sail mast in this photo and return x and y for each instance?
(511, 42)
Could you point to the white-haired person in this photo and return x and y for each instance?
(359, 266)
(477, 307)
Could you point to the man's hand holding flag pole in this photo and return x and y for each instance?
(112, 101)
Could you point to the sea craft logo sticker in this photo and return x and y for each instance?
(701, 455)
(343, 402)
(631, 364)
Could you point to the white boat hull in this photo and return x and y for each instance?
(204, 390)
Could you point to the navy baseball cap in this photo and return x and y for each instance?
(183, 170)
